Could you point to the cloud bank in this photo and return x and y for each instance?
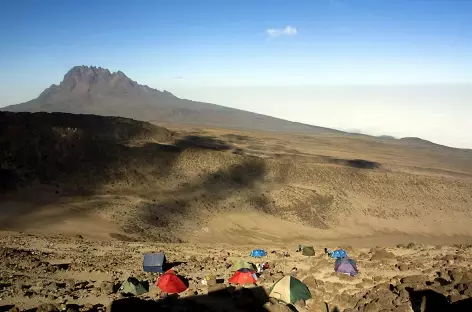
(278, 32)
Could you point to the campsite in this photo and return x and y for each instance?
(57, 273)
(236, 156)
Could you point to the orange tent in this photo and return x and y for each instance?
(243, 276)
(171, 283)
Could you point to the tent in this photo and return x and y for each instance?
(346, 266)
(171, 283)
(132, 287)
(241, 264)
(242, 277)
(154, 262)
(258, 253)
(339, 254)
(289, 290)
(308, 251)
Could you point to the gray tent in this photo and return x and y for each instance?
(154, 262)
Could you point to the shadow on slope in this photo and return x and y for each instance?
(205, 142)
(354, 163)
(224, 190)
(86, 150)
(79, 154)
(228, 299)
(82, 155)
(432, 301)
(81, 149)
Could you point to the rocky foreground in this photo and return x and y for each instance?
(59, 273)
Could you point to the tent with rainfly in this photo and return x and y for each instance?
(339, 254)
(258, 253)
(132, 287)
(346, 266)
(241, 264)
(289, 290)
(170, 283)
(243, 277)
(308, 251)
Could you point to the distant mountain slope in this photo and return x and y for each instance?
(92, 90)
(420, 142)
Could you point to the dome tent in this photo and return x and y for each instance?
(289, 290)
(258, 253)
(170, 283)
(133, 286)
(242, 264)
(308, 251)
(242, 277)
(339, 254)
(346, 266)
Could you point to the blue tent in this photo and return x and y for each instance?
(258, 253)
(339, 254)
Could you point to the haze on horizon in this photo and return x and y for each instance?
(400, 68)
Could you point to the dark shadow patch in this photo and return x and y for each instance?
(9, 179)
(76, 155)
(362, 164)
(5, 308)
(215, 187)
(228, 299)
(203, 142)
(442, 281)
(431, 301)
(353, 163)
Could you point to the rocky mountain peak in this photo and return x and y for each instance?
(88, 75)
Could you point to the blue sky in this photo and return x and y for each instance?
(195, 45)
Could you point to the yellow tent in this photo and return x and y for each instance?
(289, 290)
(241, 264)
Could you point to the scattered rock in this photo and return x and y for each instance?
(278, 307)
(316, 305)
(404, 267)
(403, 308)
(372, 307)
(47, 307)
(414, 279)
(107, 288)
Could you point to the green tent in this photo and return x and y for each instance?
(289, 290)
(133, 287)
(241, 264)
(308, 251)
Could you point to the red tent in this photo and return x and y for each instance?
(171, 283)
(243, 276)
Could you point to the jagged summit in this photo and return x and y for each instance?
(86, 77)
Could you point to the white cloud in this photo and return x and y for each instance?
(277, 32)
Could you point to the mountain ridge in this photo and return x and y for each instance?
(98, 91)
